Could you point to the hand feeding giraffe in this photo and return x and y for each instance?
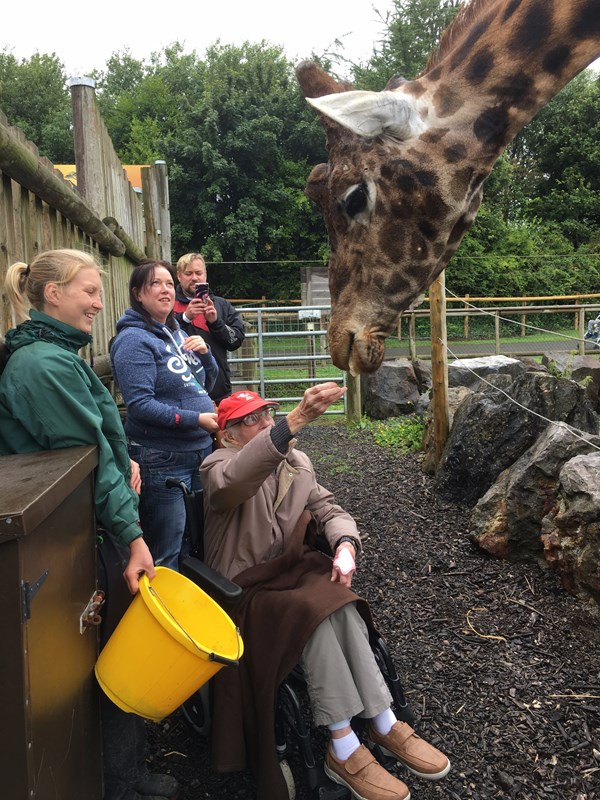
(406, 165)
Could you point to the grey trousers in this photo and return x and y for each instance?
(341, 673)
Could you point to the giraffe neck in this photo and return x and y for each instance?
(501, 61)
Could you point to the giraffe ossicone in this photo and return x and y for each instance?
(406, 167)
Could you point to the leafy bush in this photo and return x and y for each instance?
(404, 433)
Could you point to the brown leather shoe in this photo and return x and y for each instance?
(364, 776)
(416, 754)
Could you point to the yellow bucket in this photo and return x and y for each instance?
(170, 641)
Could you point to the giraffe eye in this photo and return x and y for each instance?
(356, 200)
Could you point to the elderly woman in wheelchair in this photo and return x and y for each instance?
(264, 510)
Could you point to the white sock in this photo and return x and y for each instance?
(383, 722)
(345, 746)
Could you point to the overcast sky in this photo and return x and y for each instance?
(84, 35)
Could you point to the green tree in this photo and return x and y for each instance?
(560, 149)
(239, 141)
(34, 96)
(413, 32)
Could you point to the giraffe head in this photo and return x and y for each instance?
(406, 165)
(397, 196)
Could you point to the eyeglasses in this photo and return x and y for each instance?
(252, 419)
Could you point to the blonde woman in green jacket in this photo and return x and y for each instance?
(50, 398)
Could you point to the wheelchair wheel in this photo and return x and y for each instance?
(196, 712)
(289, 779)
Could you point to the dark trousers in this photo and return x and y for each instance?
(123, 734)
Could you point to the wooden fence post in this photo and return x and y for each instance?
(412, 337)
(353, 398)
(164, 213)
(87, 138)
(497, 332)
(439, 365)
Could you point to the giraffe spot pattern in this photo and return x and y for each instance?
(534, 31)
(425, 177)
(586, 23)
(556, 59)
(491, 126)
(397, 283)
(480, 66)
(394, 82)
(467, 46)
(510, 9)
(458, 230)
(434, 135)
(447, 102)
(414, 88)
(454, 153)
(419, 249)
(517, 91)
(460, 182)
(433, 207)
(428, 229)
(391, 244)
(407, 183)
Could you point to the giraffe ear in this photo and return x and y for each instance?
(372, 113)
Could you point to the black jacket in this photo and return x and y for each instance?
(226, 333)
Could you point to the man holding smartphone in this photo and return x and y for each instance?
(199, 311)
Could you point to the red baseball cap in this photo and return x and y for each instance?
(238, 405)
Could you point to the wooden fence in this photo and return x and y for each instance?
(41, 210)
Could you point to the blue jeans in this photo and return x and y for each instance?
(162, 510)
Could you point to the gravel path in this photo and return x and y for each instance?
(499, 664)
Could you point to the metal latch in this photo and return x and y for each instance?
(90, 615)
(28, 592)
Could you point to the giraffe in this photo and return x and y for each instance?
(406, 165)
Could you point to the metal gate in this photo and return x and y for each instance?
(284, 352)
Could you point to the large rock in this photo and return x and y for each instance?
(507, 520)
(571, 530)
(455, 397)
(469, 371)
(583, 369)
(492, 428)
(398, 387)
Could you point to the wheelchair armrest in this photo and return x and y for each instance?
(221, 589)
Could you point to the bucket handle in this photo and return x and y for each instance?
(228, 662)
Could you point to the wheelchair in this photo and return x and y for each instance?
(290, 719)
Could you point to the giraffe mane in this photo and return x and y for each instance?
(463, 19)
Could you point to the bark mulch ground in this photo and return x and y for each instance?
(499, 664)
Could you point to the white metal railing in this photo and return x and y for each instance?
(285, 347)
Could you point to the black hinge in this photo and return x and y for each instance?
(28, 592)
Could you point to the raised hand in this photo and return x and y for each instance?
(315, 402)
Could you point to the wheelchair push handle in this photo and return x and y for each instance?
(175, 483)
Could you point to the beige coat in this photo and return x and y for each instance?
(253, 499)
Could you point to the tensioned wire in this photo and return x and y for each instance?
(514, 321)
(576, 433)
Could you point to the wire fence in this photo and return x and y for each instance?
(286, 348)
(285, 352)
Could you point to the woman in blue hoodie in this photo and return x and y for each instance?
(164, 376)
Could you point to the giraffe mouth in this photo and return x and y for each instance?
(357, 352)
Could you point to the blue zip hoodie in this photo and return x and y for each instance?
(164, 386)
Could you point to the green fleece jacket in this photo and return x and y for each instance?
(50, 398)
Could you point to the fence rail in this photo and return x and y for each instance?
(286, 346)
(41, 210)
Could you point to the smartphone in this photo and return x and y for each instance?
(201, 290)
